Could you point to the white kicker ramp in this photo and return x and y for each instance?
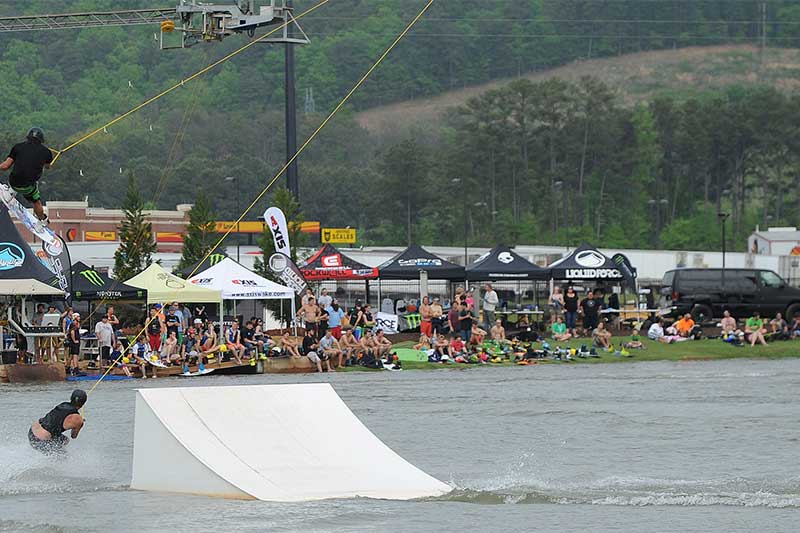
(283, 443)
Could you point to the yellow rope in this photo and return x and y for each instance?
(184, 81)
(283, 169)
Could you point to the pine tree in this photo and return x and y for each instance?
(136, 245)
(201, 234)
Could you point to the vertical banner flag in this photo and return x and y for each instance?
(387, 322)
(287, 271)
(624, 266)
(276, 220)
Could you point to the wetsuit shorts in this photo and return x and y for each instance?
(29, 192)
(55, 445)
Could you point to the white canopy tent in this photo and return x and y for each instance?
(235, 282)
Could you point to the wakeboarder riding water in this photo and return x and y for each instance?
(46, 435)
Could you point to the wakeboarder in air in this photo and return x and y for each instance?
(46, 434)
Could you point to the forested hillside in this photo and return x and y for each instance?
(553, 162)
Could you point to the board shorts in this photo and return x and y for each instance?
(29, 192)
(56, 443)
(313, 357)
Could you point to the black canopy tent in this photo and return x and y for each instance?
(407, 266)
(89, 285)
(21, 270)
(503, 264)
(586, 263)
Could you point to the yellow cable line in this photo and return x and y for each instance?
(184, 81)
(283, 169)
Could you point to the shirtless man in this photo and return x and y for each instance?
(498, 332)
(382, 345)
(310, 314)
(46, 435)
(289, 345)
(365, 345)
(348, 344)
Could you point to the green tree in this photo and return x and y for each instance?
(201, 233)
(135, 234)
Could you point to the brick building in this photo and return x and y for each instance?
(77, 222)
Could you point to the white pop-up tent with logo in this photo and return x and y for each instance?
(238, 283)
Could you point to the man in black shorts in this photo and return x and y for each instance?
(591, 312)
(46, 434)
(27, 160)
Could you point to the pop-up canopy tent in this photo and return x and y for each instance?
(161, 286)
(235, 282)
(408, 264)
(203, 264)
(503, 264)
(586, 263)
(89, 285)
(328, 263)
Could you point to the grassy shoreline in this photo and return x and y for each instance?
(702, 350)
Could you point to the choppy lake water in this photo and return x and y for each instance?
(701, 446)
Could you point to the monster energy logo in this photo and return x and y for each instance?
(213, 259)
(92, 277)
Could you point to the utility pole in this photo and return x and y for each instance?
(292, 179)
(723, 217)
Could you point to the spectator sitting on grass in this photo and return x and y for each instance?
(476, 334)
(498, 331)
(441, 348)
(424, 343)
(382, 345)
(685, 325)
(457, 347)
(656, 332)
(601, 337)
(780, 329)
(728, 323)
(795, 327)
(559, 329)
(754, 329)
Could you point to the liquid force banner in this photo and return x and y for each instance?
(276, 221)
(287, 271)
(386, 322)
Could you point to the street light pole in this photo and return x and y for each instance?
(238, 213)
(723, 217)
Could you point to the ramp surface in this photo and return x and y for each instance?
(268, 442)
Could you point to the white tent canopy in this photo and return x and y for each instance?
(19, 287)
(238, 283)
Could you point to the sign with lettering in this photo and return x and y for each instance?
(338, 235)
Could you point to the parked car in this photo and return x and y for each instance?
(707, 292)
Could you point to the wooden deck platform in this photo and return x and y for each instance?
(32, 373)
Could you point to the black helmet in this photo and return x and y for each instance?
(36, 134)
(78, 398)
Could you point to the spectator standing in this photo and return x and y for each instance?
(452, 318)
(154, 330)
(556, 303)
(571, 311)
(306, 296)
(105, 339)
(310, 313)
(324, 299)
(426, 317)
(437, 315)
(490, 303)
(591, 312)
(335, 317)
(465, 322)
